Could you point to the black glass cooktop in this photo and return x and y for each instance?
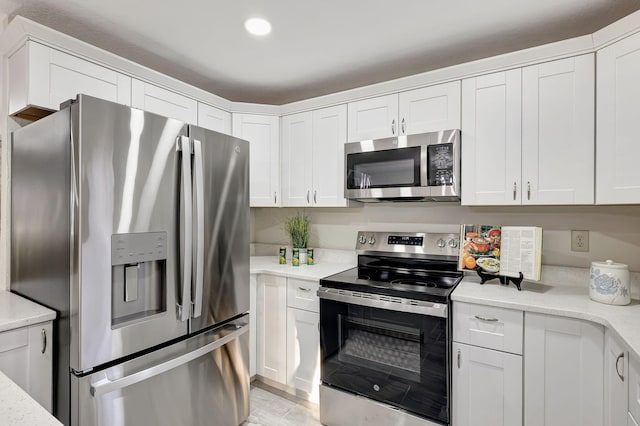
(418, 279)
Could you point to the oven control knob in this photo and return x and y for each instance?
(362, 239)
(372, 240)
(453, 243)
(441, 243)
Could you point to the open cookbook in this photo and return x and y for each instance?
(502, 250)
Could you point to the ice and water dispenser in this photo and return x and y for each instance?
(138, 276)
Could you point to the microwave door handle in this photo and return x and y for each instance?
(185, 148)
(199, 232)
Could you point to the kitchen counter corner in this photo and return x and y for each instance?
(16, 312)
(17, 408)
(270, 265)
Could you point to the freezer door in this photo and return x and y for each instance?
(221, 227)
(130, 175)
(200, 381)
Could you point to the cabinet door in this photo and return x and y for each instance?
(563, 372)
(616, 366)
(634, 387)
(262, 132)
(373, 118)
(303, 351)
(296, 160)
(272, 328)
(329, 137)
(163, 102)
(213, 118)
(430, 109)
(487, 387)
(26, 358)
(558, 132)
(491, 139)
(43, 77)
(618, 122)
(253, 331)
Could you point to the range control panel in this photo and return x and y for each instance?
(408, 243)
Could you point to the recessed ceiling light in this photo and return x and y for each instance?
(257, 26)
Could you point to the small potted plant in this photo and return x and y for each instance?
(298, 228)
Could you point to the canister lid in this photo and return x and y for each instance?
(609, 264)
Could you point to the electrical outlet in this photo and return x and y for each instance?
(580, 241)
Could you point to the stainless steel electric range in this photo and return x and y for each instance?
(385, 332)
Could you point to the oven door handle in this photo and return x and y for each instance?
(384, 302)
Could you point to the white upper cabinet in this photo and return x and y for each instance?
(430, 109)
(213, 118)
(528, 135)
(491, 139)
(422, 110)
(164, 102)
(313, 158)
(296, 155)
(43, 78)
(558, 131)
(373, 118)
(329, 137)
(263, 134)
(618, 122)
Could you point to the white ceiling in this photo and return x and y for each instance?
(316, 47)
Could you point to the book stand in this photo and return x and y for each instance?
(484, 277)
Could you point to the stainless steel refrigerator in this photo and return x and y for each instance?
(135, 229)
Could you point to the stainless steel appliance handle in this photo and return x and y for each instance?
(199, 191)
(486, 319)
(185, 147)
(621, 356)
(105, 385)
(384, 302)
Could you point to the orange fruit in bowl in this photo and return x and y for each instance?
(469, 262)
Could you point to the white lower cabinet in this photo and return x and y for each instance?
(634, 391)
(487, 387)
(253, 288)
(616, 367)
(25, 357)
(271, 328)
(303, 351)
(563, 371)
(287, 334)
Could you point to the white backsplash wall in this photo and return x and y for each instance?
(614, 230)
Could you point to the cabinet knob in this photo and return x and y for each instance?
(43, 340)
(528, 190)
(275, 198)
(621, 356)
(307, 196)
(404, 127)
(441, 243)
(515, 187)
(393, 127)
(315, 200)
(459, 358)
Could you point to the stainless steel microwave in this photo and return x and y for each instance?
(422, 167)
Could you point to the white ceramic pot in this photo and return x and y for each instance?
(609, 283)
(303, 256)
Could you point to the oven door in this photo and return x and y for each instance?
(399, 358)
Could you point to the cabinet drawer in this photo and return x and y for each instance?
(488, 327)
(303, 294)
(14, 339)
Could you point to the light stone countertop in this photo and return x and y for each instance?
(270, 265)
(563, 300)
(17, 408)
(16, 312)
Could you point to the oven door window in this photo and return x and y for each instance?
(383, 169)
(394, 357)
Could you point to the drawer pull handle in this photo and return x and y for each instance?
(304, 289)
(486, 319)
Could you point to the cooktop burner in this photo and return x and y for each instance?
(413, 283)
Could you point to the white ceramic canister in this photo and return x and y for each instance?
(609, 283)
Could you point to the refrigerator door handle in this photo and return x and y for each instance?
(199, 234)
(185, 147)
(105, 386)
